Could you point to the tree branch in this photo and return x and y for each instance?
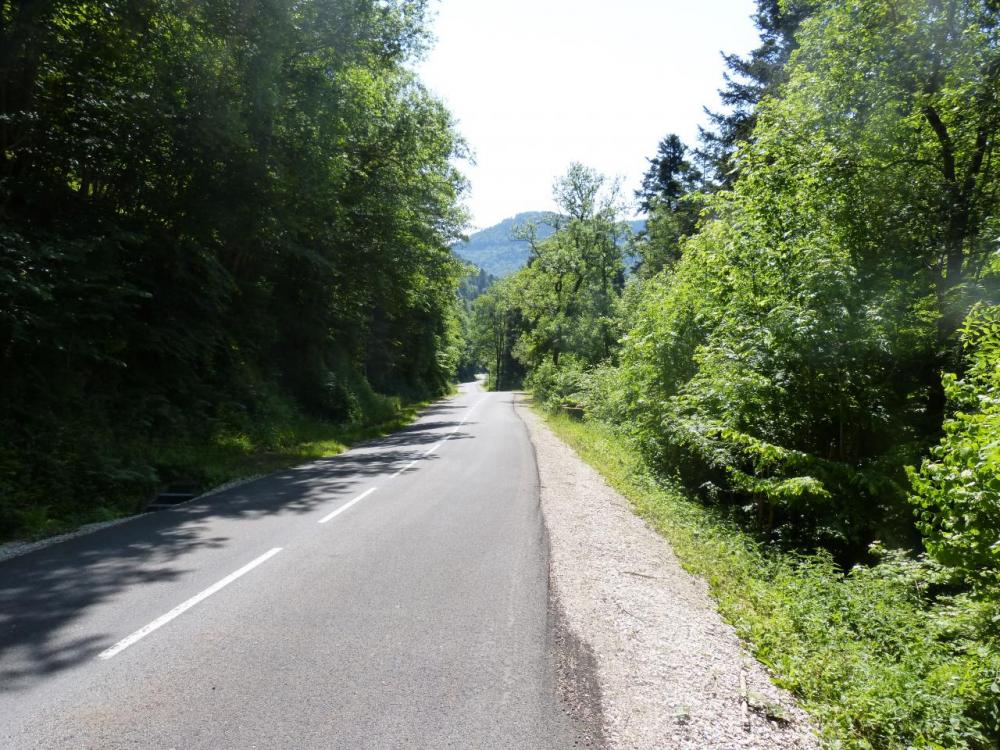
(947, 148)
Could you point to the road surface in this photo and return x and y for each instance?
(394, 596)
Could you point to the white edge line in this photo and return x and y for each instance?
(159, 622)
(433, 448)
(345, 506)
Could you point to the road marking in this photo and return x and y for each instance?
(159, 622)
(469, 412)
(464, 419)
(438, 444)
(344, 507)
(403, 469)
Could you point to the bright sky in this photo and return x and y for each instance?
(537, 84)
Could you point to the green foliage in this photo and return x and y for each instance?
(561, 306)
(880, 657)
(557, 387)
(670, 199)
(748, 81)
(204, 202)
(783, 366)
(780, 360)
(273, 435)
(568, 292)
(957, 489)
(788, 363)
(762, 376)
(670, 175)
(83, 478)
(495, 323)
(472, 286)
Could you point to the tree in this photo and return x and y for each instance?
(748, 81)
(568, 290)
(957, 489)
(207, 207)
(668, 196)
(670, 176)
(791, 362)
(907, 115)
(494, 330)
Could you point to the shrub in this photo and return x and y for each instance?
(957, 489)
(556, 387)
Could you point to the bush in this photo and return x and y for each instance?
(557, 387)
(57, 472)
(957, 489)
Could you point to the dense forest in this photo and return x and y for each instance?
(219, 222)
(809, 347)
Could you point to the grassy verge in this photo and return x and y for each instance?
(233, 455)
(275, 439)
(879, 656)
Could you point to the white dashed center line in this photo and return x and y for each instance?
(180, 609)
(345, 506)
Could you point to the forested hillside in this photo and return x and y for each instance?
(221, 222)
(810, 354)
(500, 250)
(495, 249)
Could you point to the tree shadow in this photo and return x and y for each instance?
(422, 434)
(44, 594)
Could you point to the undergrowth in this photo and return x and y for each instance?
(885, 656)
(82, 477)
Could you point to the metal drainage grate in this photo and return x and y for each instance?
(172, 496)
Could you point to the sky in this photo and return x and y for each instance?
(537, 84)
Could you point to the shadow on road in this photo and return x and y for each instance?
(44, 593)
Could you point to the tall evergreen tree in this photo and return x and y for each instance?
(748, 80)
(670, 175)
(668, 197)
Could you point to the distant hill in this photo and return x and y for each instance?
(496, 252)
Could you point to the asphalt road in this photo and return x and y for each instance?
(391, 597)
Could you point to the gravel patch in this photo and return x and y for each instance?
(669, 672)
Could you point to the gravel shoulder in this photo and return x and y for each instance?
(669, 672)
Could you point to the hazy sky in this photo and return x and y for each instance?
(536, 84)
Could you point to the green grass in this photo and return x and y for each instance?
(278, 438)
(234, 455)
(878, 656)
